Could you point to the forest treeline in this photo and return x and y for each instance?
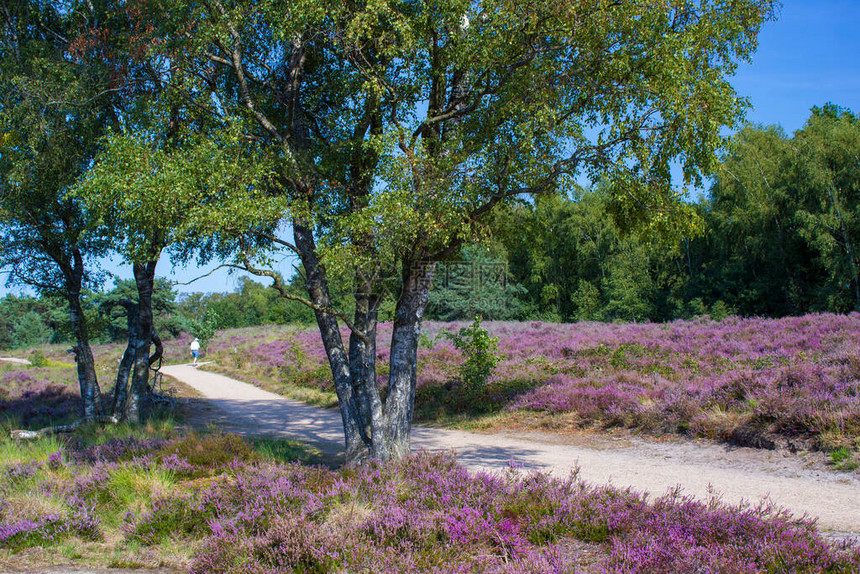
(778, 235)
(26, 320)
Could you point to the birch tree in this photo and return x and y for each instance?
(384, 132)
(54, 107)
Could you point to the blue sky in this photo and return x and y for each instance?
(809, 56)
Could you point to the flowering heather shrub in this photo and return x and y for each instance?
(423, 514)
(113, 450)
(679, 534)
(47, 530)
(35, 403)
(55, 460)
(89, 487)
(429, 515)
(275, 353)
(174, 516)
(21, 472)
(755, 382)
(177, 464)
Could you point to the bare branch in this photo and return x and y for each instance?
(283, 290)
(239, 70)
(184, 283)
(271, 237)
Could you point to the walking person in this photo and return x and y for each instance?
(195, 350)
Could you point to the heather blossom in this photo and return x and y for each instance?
(423, 514)
(757, 382)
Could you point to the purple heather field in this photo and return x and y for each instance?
(232, 509)
(792, 382)
(425, 514)
(33, 399)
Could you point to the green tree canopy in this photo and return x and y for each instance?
(783, 218)
(55, 103)
(374, 138)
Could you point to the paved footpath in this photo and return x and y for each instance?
(738, 474)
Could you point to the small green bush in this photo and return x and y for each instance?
(38, 359)
(205, 328)
(482, 355)
(171, 517)
(843, 459)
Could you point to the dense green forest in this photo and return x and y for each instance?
(775, 237)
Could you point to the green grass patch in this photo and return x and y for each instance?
(213, 450)
(315, 397)
(282, 450)
(20, 451)
(843, 459)
(132, 487)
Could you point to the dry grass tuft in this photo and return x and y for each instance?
(345, 518)
(32, 505)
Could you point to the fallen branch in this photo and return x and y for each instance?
(36, 434)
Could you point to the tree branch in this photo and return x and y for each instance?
(282, 288)
(239, 70)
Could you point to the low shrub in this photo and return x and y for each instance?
(843, 459)
(423, 514)
(787, 382)
(481, 352)
(209, 451)
(175, 516)
(48, 530)
(32, 401)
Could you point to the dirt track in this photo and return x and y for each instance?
(736, 473)
(15, 360)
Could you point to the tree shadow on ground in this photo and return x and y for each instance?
(39, 404)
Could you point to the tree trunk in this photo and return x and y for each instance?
(362, 368)
(358, 444)
(138, 404)
(120, 394)
(371, 429)
(90, 391)
(87, 379)
(158, 354)
(400, 402)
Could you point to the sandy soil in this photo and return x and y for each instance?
(15, 360)
(735, 474)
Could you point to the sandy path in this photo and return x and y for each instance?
(15, 360)
(738, 474)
